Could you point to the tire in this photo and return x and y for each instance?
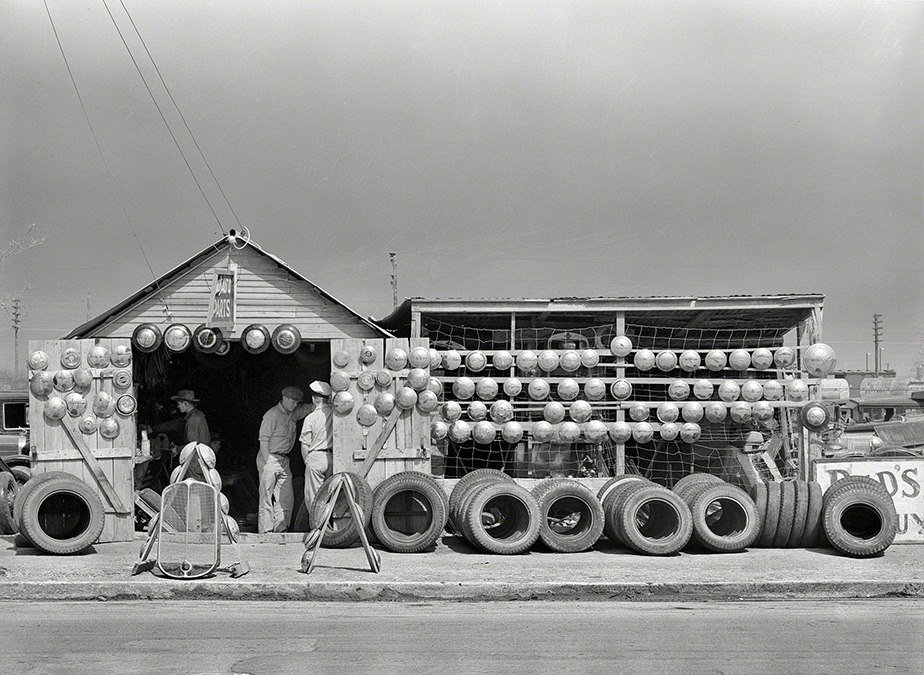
(37, 479)
(62, 516)
(859, 519)
(8, 489)
(798, 523)
(668, 524)
(426, 522)
(758, 493)
(151, 498)
(342, 531)
(610, 510)
(475, 478)
(518, 527)
(693, 479)
(613, 482)
(735, 528)
(810, 537)
(22, 474)
(787, 514)
(560, 498)
(772, 519)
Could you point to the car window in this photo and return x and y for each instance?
(15, 416)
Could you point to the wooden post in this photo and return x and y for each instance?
(620, 414)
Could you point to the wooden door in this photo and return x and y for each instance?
(407, 443)
(91, 376)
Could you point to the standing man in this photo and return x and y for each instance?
(277, 435)
(195, 426)
(317, 439)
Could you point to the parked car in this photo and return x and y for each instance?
(14, 432)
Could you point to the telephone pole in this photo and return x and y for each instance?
(877, 338)
(16, 322)
(394, 276)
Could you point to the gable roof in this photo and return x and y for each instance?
(222, 244)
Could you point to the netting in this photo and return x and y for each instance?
(728, 448)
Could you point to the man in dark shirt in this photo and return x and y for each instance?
(195, 426)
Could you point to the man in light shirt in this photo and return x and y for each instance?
(277, 436)
(317, 439)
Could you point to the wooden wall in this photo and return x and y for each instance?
(266, 293)
(407, 446)
(54, 450)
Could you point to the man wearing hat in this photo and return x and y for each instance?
(277, 435)
(317, 440)
(195, 426)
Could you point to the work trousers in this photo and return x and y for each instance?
(276, 494)
(317, 467)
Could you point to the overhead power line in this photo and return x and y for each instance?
(180, 112)
(163, 118)
(99, 149)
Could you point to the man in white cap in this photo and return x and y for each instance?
(317, 439)
(277, 436)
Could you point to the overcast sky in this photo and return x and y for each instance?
(503, 149)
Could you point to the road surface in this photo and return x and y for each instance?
(523, 637)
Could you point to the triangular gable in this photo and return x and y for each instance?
(268, 290)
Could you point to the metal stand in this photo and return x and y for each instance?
(145, 564)
(316, 536)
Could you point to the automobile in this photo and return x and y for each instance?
(14, 433)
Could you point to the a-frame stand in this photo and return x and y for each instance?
(313, 541)
(145, 563)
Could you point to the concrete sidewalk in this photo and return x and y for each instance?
(456, 571)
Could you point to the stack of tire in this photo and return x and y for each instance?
(409, 512)
(856, 515)
(493, 513)
(725, 518)
(645, 516)
(790, 514)
(58, 513)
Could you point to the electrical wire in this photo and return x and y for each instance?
(163, 117)
(102, 156)
(180, 112)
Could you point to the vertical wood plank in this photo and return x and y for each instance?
(620, 414)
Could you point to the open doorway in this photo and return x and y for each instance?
(234, 391)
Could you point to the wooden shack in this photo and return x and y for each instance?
(234, 324)
(587, 326)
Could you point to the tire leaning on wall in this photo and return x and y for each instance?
(734, 529)
(422, 509)
(666, 527)
(559, 501)
(342, 532)
(62, 516)
(464, 486)
(859, 517)
(8, 489)
(30, 485)
(515, 527)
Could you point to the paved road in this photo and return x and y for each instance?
(525, 637)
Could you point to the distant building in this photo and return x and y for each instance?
(855, 378)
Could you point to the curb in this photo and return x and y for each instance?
(458, 592)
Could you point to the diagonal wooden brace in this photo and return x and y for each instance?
(94, 466)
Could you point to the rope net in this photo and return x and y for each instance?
(725, 448)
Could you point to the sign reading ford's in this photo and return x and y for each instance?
(901, 476)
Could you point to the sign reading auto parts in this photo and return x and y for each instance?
(223, 299)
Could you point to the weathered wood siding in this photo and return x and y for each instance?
(54, 450)
(266, 293)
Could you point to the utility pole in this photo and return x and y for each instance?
(877, 338)
(16, 322)
(394, 276)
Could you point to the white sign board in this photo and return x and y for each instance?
(901, 476)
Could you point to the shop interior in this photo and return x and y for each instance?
(234, 391)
